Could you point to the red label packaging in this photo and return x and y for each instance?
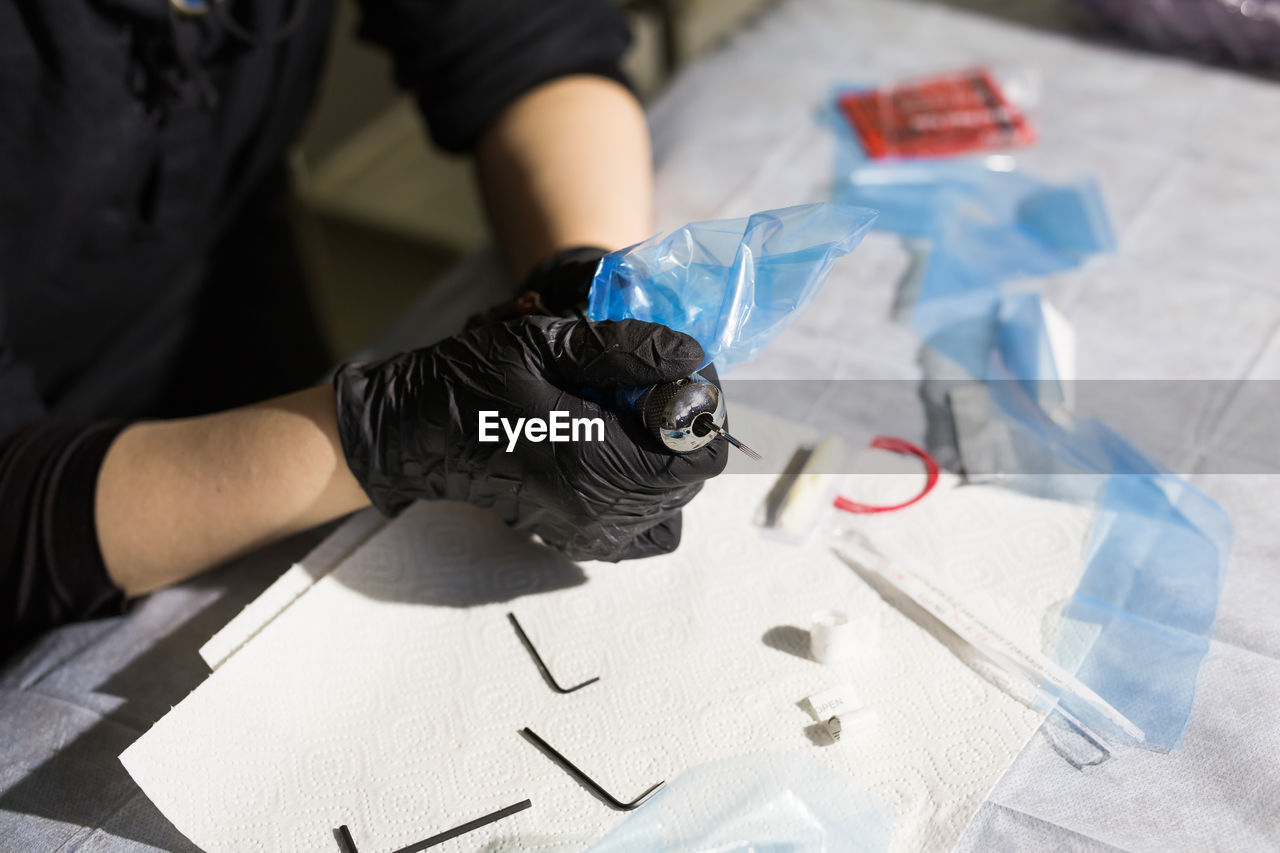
(936, 116)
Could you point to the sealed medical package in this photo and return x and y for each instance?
(956, 113)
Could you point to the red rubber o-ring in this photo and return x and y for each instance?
(896, 445)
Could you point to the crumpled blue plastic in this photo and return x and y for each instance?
(985, 195)
(732, 284)
(1153, 576)
(985, 222)
(1157, 555)
(762, 802)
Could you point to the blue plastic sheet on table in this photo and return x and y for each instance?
(996, 335)
(732, 284)
(922, 198)
(986, 222)
(917, 197)
(1157, 554)
(1154, 569)
(762, 802)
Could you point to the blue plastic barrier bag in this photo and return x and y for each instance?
(986, 221)
(1153, 574)
(920, 198)
(768, 801)
(953, 200)
(1157, 554)
(732, 284)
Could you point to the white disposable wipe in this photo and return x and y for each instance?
(389, 695)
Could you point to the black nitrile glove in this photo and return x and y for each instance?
(557, 286)
(410, 429)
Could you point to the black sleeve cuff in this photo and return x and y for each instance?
(52, 571)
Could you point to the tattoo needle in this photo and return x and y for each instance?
(719, 430)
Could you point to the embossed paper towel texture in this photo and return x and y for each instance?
(389, 696)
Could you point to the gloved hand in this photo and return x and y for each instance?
(410, 429)
(556, 286)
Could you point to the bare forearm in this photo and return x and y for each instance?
(568, 164)
(176, 497)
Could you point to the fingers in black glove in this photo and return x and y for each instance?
(563, 281)
(558, 286)
(409, 427)
(662, 538)
(609, 355)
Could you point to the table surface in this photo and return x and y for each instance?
(1183, 153)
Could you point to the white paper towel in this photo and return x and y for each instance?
(389, 695)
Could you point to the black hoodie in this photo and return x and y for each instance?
(132, 135)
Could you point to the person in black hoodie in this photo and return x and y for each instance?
(149, 294)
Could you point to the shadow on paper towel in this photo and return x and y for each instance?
(789, 639)
(454, 555)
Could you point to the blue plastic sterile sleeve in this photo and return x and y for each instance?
(1138, 624)
(1157, 555)
(766, 801)
(732, 284)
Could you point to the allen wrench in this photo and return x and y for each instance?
(542, 667)
(469, 826)
(591, 784)
(349, 846)
(345, 842)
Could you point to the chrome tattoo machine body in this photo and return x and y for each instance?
(686, 414)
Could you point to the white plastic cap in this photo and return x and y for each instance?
(833, 637)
